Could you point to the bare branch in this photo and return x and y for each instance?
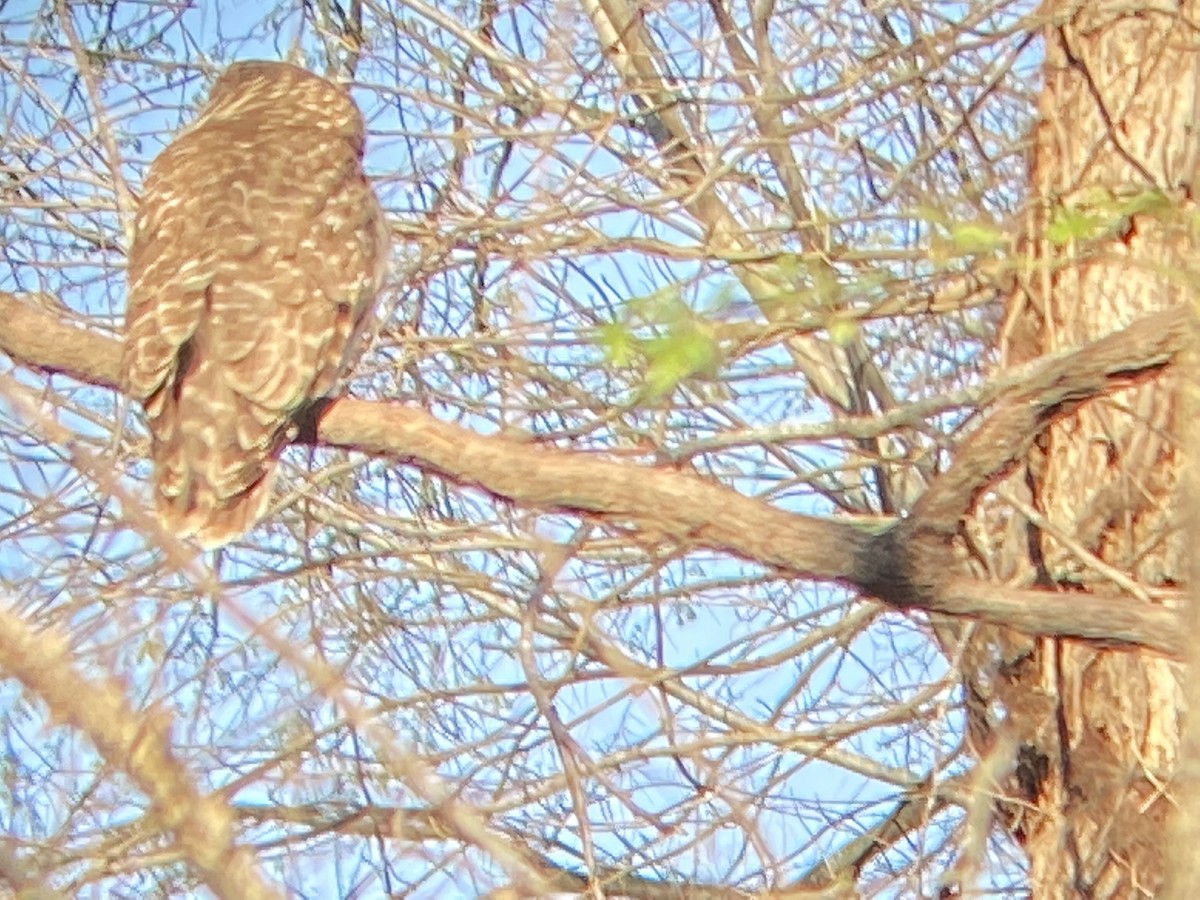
(138, 744)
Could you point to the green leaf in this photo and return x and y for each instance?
(976, 237)
(678, 356)
(1154, 203)
(924, 213)
(842, 331)
(1071, 225)
(619, 345)
(658, 308)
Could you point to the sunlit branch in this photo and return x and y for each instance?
(905, 566)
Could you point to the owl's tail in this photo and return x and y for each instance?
(212, 521)
(214, 455)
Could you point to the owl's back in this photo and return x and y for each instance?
(258, 252)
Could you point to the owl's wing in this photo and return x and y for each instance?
(168, 274)
(315, 272)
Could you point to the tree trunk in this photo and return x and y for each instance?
(1098, 729)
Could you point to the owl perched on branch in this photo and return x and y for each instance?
(258, 253)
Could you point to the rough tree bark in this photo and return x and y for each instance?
(1098, 729)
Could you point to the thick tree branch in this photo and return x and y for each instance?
(905, 567)
(1054, 389)
(913, 564)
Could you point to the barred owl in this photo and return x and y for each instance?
(258, 252)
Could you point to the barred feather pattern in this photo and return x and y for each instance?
(258, 253)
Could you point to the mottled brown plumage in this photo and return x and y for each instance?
(258, 253)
